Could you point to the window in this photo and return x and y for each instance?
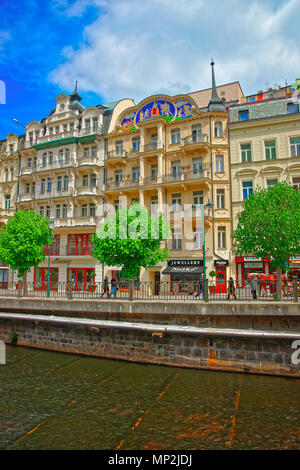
(49, 185)
(67, 155)
(61, 157)
(66, 182)
(246, 152)
(87, 125)
(198, 198)
(220, 198)
(59, 183)
(43, 184)
(247, 189)
(57, 211)
(154, 173)
(7, 202)
(221, 237)
(270, 150)
(244, 115)
(296, 183)
(197, 165)
(44, 160)
(292, 108)
(295, 146)
(92, 210)
(175, 136)
(118, 177)
(80, 244)
(176, 239)
(136, 174)
(6, 174)
(42, 211)
(12, 173)
(85, 180)
(271, 183)
(219, 164)
(86, 152)
(95, 124)
(83, 278)
(197, 133)
(176, 169)
(176, 202)
(71, 126)
(93, 179)
(218, 129)
(154, 141)
(65, 127)
(50, 130)
(48, 212)
(94, 151)
(11, 149)
(84, 210)
(64, 211)
(56, 129)
(198, 243)
(27, 188)
(136, 144)
(29, 162)
(41, 278)
(154, 205)
(119, 147)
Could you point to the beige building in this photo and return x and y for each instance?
(168, 154)
(264, 149)
(61, 176)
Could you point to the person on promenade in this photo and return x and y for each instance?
(190, 287)
(114, 287)
(231, 289)
(254, 286)
(176, 289)
(201, 286)
(105, 287)
(262, 284)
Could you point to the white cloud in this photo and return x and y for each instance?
(135, 49)
(4, 38)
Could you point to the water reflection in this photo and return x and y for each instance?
(54, 400)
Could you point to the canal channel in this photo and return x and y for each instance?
(51, 400)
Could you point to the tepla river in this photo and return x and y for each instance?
(51, 400)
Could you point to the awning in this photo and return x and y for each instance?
(183, 270)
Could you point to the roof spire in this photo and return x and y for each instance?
(75, 95)
(215, 104)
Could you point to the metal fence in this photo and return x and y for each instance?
(206, 291)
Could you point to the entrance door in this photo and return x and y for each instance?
(221, 280)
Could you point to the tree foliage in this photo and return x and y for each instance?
(22, 241)
(269, 225)
(131, 239)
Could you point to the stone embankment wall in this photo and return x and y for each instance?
(253, 338)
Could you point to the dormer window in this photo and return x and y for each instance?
(61, 107)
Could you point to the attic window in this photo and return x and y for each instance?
(61, 107)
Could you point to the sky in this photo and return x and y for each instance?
(132, 49)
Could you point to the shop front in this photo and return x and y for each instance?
(246, 265)
(184, 271)
(294, 266)
(221, 278)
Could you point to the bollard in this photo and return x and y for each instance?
(2, 353)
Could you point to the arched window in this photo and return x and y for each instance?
(218, 129)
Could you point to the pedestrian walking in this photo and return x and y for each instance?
(231, 289)
(262, 285)
(105, 287)
(254, 287)
(201, 286)
(114, 287)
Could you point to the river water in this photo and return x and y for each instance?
(51, 400)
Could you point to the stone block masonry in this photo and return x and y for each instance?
(220, 349)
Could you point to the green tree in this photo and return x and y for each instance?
(131, 239)
(22, 241)
(269, 225)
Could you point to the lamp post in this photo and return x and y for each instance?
(15, 120)
(209, 205)
(51, 225)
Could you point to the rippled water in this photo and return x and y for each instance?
(52, 400)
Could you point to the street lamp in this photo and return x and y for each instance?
(15, 120)
(209, 205)
(51, 225)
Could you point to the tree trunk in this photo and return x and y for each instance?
(279, 283)
(25, 283)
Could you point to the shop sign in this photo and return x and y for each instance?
(254, 265)
(251, 258)
(221, 262)
(185, 262)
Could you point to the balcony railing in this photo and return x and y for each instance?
(59, 135)
(116, 154)
(27, 144)
(89, 130)
(155, 145)
(185, 176)
(195, 139)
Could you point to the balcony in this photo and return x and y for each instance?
(153, 147)
(116, 156)
(55, 165)
(88, 190)
(40, 194)
(88, 160)
(27, 144)
(193, 141)
(184, 176)
(91, 130)
(60, 135)
(76, 221)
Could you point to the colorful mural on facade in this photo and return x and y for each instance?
(155, 109)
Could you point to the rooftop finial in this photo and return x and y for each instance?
(215, 104)
(76, 85)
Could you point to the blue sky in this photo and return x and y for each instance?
(132, 49)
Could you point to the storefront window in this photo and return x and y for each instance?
(41, 278)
